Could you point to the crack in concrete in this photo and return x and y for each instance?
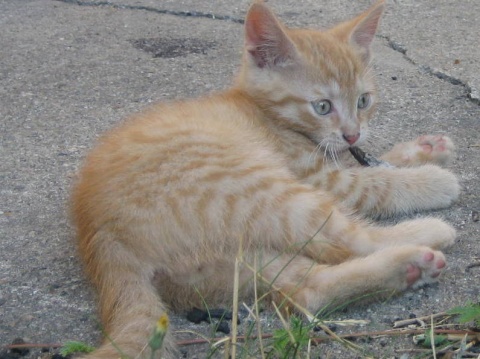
(441, 75)
(472, 93)
(197, 14)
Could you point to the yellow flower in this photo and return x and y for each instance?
(162, 324)
(159, 332)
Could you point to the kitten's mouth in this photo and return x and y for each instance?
(362, 157)
(366, 159)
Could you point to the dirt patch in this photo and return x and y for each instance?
(171, 48)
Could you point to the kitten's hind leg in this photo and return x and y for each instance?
(429, 232)
(437, 149)
(382, 273)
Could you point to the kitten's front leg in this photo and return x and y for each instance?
(381, 191)
(437, 149)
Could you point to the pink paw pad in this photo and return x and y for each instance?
(427, 148)
(429, 143)
(428, 257)
(429, 267)
(413, 274)
(438, 149)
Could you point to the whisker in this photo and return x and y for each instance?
(316, 150)
(335, 157)
(312, 158)
(326, 154)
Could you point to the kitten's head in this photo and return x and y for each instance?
(317, 83)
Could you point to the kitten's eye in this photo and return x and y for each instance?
(322, 107)
(363, 101)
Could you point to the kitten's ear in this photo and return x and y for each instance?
(265, 39)
(360, 31)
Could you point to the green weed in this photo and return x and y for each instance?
(74, 347)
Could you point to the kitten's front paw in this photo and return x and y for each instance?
(438, 149)
(444, 186)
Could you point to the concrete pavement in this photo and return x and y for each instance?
(69, 70)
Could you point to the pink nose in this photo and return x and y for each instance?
(351, 139)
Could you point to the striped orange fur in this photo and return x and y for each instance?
(164, 201)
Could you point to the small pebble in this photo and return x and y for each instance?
(475, 216)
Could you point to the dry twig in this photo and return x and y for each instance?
(32, 346)
(420, 320)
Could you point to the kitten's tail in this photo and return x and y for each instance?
(129, 304)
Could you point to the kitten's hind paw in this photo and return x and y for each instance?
(438, 149)
(425, 267)
(430, 232)
(411, 266)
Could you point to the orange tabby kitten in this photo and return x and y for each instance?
(172, 194)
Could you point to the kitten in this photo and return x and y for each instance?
(174, 192)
